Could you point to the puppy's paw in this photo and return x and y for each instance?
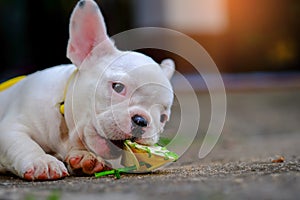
(80, 161)
(45, 167)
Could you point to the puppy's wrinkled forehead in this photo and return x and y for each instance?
(130, 60)
(141, 68)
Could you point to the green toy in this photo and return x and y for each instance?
(139, 158)
(117, 172)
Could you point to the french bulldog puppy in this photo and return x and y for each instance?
(108, 96)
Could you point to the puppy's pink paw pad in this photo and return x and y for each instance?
(91, 166)
(29, 175)
(43, 176)
(86, 162)
(45, 168)
(75, 161)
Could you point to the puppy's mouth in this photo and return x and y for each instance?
(137, 134)
(118, 137)
(120, 143)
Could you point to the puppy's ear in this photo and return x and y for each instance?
(87, 30)
(168, 67)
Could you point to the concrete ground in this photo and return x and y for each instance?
(260, 127)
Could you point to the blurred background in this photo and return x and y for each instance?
(240, 35)
(254, 43)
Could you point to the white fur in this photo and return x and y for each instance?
(30, 121)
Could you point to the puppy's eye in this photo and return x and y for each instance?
(163, 118)
(118, 87)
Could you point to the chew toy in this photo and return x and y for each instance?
(155, 156)
(139, 158)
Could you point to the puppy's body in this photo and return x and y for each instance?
(109, 96)
(30, 112)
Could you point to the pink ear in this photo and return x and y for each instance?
(87, 30)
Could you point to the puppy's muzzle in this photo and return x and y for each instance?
(138, 123)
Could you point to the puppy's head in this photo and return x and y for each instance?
(138, 98)
(118, 95)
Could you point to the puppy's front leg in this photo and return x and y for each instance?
(22, 156)
(82, 161)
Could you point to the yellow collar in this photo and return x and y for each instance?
(7, 84)
(62, 104)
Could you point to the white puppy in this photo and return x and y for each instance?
(108, 95)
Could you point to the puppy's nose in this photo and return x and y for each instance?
(139, 121)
